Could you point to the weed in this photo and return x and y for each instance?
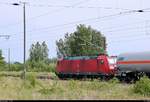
(113, 81)
(96, 85)
(142, 86)
(54, 88)
(30, 81)
(73, 84)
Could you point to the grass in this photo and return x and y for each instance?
(17, 89)
(18, 73)
(142, 86)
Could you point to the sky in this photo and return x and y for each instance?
(49, 20)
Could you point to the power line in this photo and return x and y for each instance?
(137, 28)
(117, 37)
(124, 29)
(126, 36)
(50, 12)
(57, 10)
(5, 36)
(101, 31)
(69, 6)
(90, 19)
(85, 20)
(5, 3)
(142, 33)
(41, 29)
(118, 41)
(127, 40)
(66, 6)
(124, 25)
(139, 11)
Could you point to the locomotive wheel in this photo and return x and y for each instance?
(61, 76)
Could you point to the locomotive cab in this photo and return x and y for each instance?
(112, 60)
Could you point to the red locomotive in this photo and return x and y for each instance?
(126, 67)
(101, 66)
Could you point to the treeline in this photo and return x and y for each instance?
(38, 60)
(85, 41)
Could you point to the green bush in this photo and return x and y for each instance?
(3, 68)
(31, 81)
(31, 67)
(142, 86)
(16, 67)
(113, 81)
(41, 67)
(13, 67)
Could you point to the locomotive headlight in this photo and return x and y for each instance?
(101, 61)
(112, 67)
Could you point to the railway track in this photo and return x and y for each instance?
(48, 77)
(38, 77)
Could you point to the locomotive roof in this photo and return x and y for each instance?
(79, 57)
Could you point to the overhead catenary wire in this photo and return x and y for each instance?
(96, 18)
(123, 29)
(122, 37)
(30, 31)
(108, 42)
(72, 6)
(33, 18)
(127, 40)
(85, 20)
(44, 14)
(123, 40)
(91, 7)
(124, 25)
(120, 41)
(69, 6)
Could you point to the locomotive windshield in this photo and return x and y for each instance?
(111, 60)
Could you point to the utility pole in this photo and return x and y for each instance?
(9, 58)
(24, 27)
(24, 22)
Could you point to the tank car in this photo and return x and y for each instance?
(131, 66)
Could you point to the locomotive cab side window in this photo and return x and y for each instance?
(120, 58)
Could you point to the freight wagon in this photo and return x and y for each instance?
(101, 66)
(131, 66)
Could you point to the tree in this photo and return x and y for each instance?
(38, 58)
(2, 62)
(44, 53)
(84, 41)
(39, 52)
